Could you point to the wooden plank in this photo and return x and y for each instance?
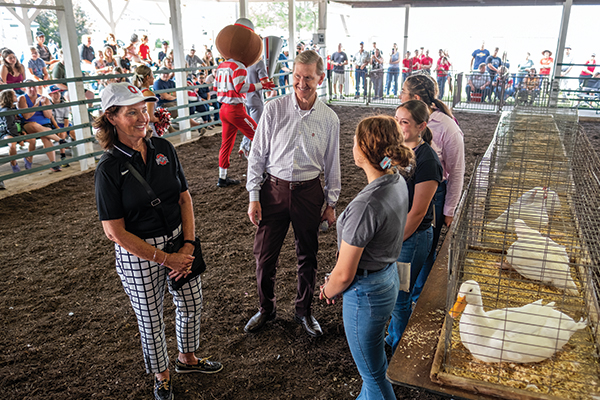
(411, 363)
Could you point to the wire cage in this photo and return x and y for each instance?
(527, 230)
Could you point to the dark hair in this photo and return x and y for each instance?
(6, 98)
(378, 137)
(420, 113)
(426, 88)
(6, 53)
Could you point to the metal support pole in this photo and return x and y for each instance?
(68, 36)
(179, 61)
(562, 38)
(405, 44)
(292, 28)
(244, 9)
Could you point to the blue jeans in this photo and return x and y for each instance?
(358, 75)
(415, 250)
(438, 203)
(392, 76)
(441, 81)
(367, 306)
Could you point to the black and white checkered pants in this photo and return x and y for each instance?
(144, 282)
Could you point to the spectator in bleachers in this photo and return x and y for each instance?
(43, 51)
(585, 74)
(283, 67)
(168, 64)
(60, 119)
(208, 59)
(37, 68)
(193, 61)
(442, 68)
(164, 52)
(144, 51)
(12, 70)
(523, 70)
(86, 54)
(132, 50)
(143, 79)
(377, 74)
(406, 66)
(566, 68)
(415, 62)
(361, 60)
(210, 80)
(393, 71)
(204, 94)
(10, 127)
(479, 56)
(109, 57)
(493, 63)
(502, 85)
(339, 59)
(122, 61)
(59, 72)
(111, 41)
(546, 63)
(426, 63)
(168, 99)
(479, 82)
(100, 63)
(38, 121)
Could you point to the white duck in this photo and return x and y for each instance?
(527, 334)
(539, 258)
(532, 207)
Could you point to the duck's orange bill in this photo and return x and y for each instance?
(458, 307)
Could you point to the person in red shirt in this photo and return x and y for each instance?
(426, 63)
(442, 68)
(588, 71)
(416, 62)
(144, 51)
(406, 66)
(546, 63)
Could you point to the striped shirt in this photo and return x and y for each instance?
(230, 83)
(296, 145)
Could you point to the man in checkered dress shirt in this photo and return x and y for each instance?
(297, 139)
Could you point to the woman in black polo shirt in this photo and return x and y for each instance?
(134, 225)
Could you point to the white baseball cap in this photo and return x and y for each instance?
(122, 94)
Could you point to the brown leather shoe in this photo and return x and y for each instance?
(310, 325)
(257, 322)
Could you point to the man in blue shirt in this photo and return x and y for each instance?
(479, 57)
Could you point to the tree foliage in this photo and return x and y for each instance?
(269, 15)
(48, 22)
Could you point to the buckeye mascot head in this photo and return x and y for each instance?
(240, 42)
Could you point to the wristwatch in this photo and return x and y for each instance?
(192, 242)
(332, 205)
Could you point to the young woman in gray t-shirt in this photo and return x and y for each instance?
(370, 232)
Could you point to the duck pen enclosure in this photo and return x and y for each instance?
(523, 266)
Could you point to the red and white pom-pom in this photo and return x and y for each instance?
(164, 120)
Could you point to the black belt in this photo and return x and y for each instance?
(291, 185)
(360, 271)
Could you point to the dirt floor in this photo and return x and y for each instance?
(69, 331)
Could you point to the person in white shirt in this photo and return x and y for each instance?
(297, 138)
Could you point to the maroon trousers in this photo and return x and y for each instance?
(283, 202)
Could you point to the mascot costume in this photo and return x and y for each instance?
(241, 47)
